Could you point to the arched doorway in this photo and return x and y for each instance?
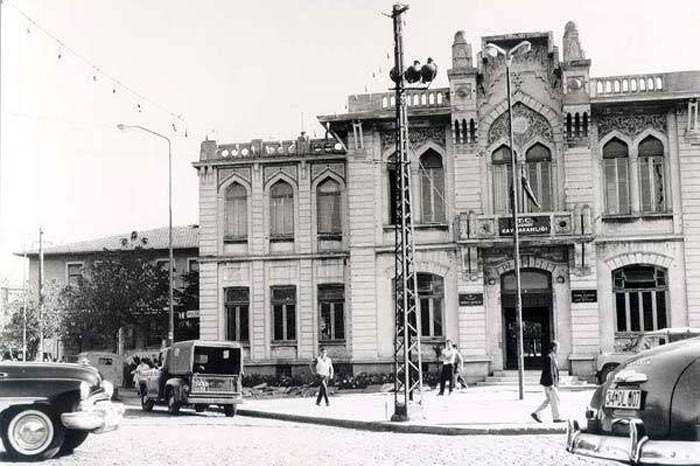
(538, 330)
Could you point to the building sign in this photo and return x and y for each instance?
(584, 296)
(471, 299)
(527, 225)
(192, 314)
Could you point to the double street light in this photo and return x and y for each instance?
(494, 51)
(171, 264)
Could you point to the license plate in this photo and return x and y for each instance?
(623, 399)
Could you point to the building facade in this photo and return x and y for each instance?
(65, 264)
(296, 237)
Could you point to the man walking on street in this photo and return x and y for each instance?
(447, 357)
(550, 381)
(322, 368)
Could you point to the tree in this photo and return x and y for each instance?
(124, 287)
(187, 299)
(48, 320)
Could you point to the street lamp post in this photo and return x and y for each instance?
(171, 313)
(494, 50)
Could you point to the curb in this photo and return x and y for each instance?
(377, 426)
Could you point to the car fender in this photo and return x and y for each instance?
(177, 386)
(685, 406)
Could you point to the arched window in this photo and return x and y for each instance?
(538, 166)
(431, 298)
(640, 298)
(651, 175)
(616, 166)
(281, 211)
(236, 213)
(502, 179)
(432, 187)
(328, 208)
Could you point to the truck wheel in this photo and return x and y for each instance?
(72, 440)
(200, 408)
(173, 404)
(146, 403)
(229, 410)
(32, 433)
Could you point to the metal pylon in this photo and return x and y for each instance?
(408, 376)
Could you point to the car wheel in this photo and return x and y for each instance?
(146, 403)
(200, 408)
(32, 433)
(606, 371)
(229, 410)
(173, 404)
(72, 440)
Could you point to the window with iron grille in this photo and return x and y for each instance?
(281, 211)
(616, 166)
(652, 190)
(236, 213)
(640, 298)
(328, 208)
(331, 305)
(237, 306)
(284, 300)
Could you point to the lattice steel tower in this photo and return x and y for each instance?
(408, 376)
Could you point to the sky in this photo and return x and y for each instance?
(232, 71)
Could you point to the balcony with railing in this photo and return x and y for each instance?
(647, 86)
(564, 227)
(386, 101)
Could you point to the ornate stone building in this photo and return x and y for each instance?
(296, 236)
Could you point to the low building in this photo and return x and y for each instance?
(296, 242)
(66, 264)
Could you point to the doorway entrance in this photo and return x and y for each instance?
(538, 330)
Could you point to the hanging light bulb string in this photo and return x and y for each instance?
(96, 70)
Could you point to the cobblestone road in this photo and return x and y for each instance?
(211, 439)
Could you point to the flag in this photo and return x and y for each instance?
(528, 189)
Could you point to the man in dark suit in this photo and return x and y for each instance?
(550, 381)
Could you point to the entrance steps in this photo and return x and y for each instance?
(509, 378)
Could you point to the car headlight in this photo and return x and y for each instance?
(84, 390)
(109, 388)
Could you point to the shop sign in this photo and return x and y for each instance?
(584, 296)
(193, 314)
(471, 299)
(527, 225)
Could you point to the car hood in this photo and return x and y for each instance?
(46, 371)
(661, 367)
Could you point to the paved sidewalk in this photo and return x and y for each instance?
(478, 410)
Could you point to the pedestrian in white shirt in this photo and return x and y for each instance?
(447, 357)
(322, 368)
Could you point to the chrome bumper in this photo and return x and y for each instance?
(213, 400)
(97, 414)
(635, 449)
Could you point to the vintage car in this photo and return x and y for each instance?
(196, 373)
(607, 362)
(647, 411)
(110, 366)
(50, 408)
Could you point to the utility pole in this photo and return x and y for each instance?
(40, 356)
(408, 376)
